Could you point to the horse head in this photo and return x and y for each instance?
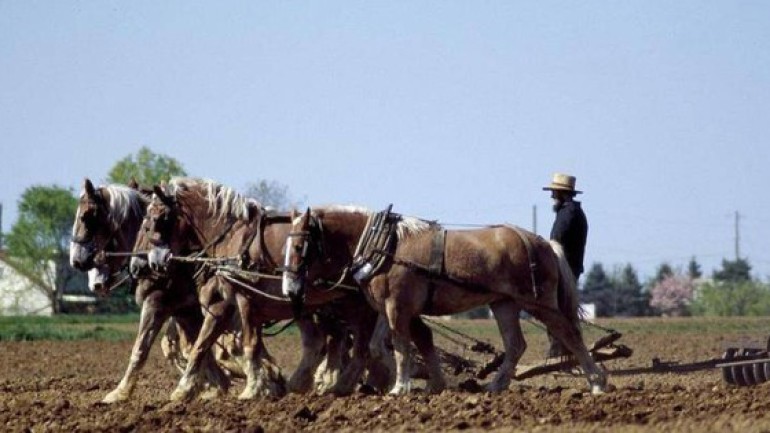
(187, 216)
(106, 221)
(158, 232)
(302, 247)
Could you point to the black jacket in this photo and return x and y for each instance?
(570, 229)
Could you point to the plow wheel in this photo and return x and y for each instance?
(760, 375)
(743, 374)
(743, 367)
(727, 372)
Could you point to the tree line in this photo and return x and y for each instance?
(730, 291)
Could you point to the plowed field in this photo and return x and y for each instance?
(57, 386)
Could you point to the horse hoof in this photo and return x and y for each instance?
(496, 387)
(598, 390)
(399, 390)
(115, 396)
(247, 395)
(211, 394)
(180, 395)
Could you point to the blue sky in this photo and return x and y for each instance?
(452, 110)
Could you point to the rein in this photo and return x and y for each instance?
(227, 274)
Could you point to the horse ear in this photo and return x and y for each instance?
(133, 184)
(89, 188)
(161, 194)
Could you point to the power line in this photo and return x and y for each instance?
(737, 235)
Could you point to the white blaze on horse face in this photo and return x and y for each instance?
(77, 252)
(290, 281)
(159, 257)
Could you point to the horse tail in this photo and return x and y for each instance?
(567, 293)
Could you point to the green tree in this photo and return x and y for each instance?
(664, 271)
(598, 289)
(693, 269)
(736, 271)
(722, 298)
(630, 298)
(38, 243)
(271, 193)
(146, 167)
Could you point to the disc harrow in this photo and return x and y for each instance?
(745, 366)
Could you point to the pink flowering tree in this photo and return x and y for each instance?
(672, 295)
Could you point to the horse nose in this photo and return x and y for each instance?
(99, 289)
(77, 264)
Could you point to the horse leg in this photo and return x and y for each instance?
(215, 314)
(381, 366)
(328, 373)
(423, 339)
(313, 344)
(570, 336)
(150, 321)
(507, 316)
(363, 326)
(173, 346)
(399, 326)
(216, 382)
(256, 359)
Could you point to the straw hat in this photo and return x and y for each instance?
(562, 182)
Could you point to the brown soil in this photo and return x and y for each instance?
(57, 386)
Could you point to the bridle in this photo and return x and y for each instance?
(98, 205)
(311, 237)
(163, 225)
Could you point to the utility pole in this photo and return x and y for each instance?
(737, 235)
(534, 219)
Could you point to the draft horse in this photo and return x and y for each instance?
(107, 220)
(205, 220)
(429, 270)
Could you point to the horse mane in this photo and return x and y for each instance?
(223, 201)
(124, 202)
(408, 226)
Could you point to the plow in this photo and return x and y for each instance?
(606, 348)
(743, 363)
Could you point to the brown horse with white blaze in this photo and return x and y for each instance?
(432, 271)
(107, 220)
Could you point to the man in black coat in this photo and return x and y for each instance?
(570, 229)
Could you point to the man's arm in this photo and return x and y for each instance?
(562, 223)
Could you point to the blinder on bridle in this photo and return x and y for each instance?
(85, 233)
(161, 226)
(95, 205)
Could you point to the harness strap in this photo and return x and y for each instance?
(244, 250)
(379, 235)
(251, 288)
(435, 265)
(437, 251)
(530, 256)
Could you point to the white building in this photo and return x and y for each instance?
(19, 294)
